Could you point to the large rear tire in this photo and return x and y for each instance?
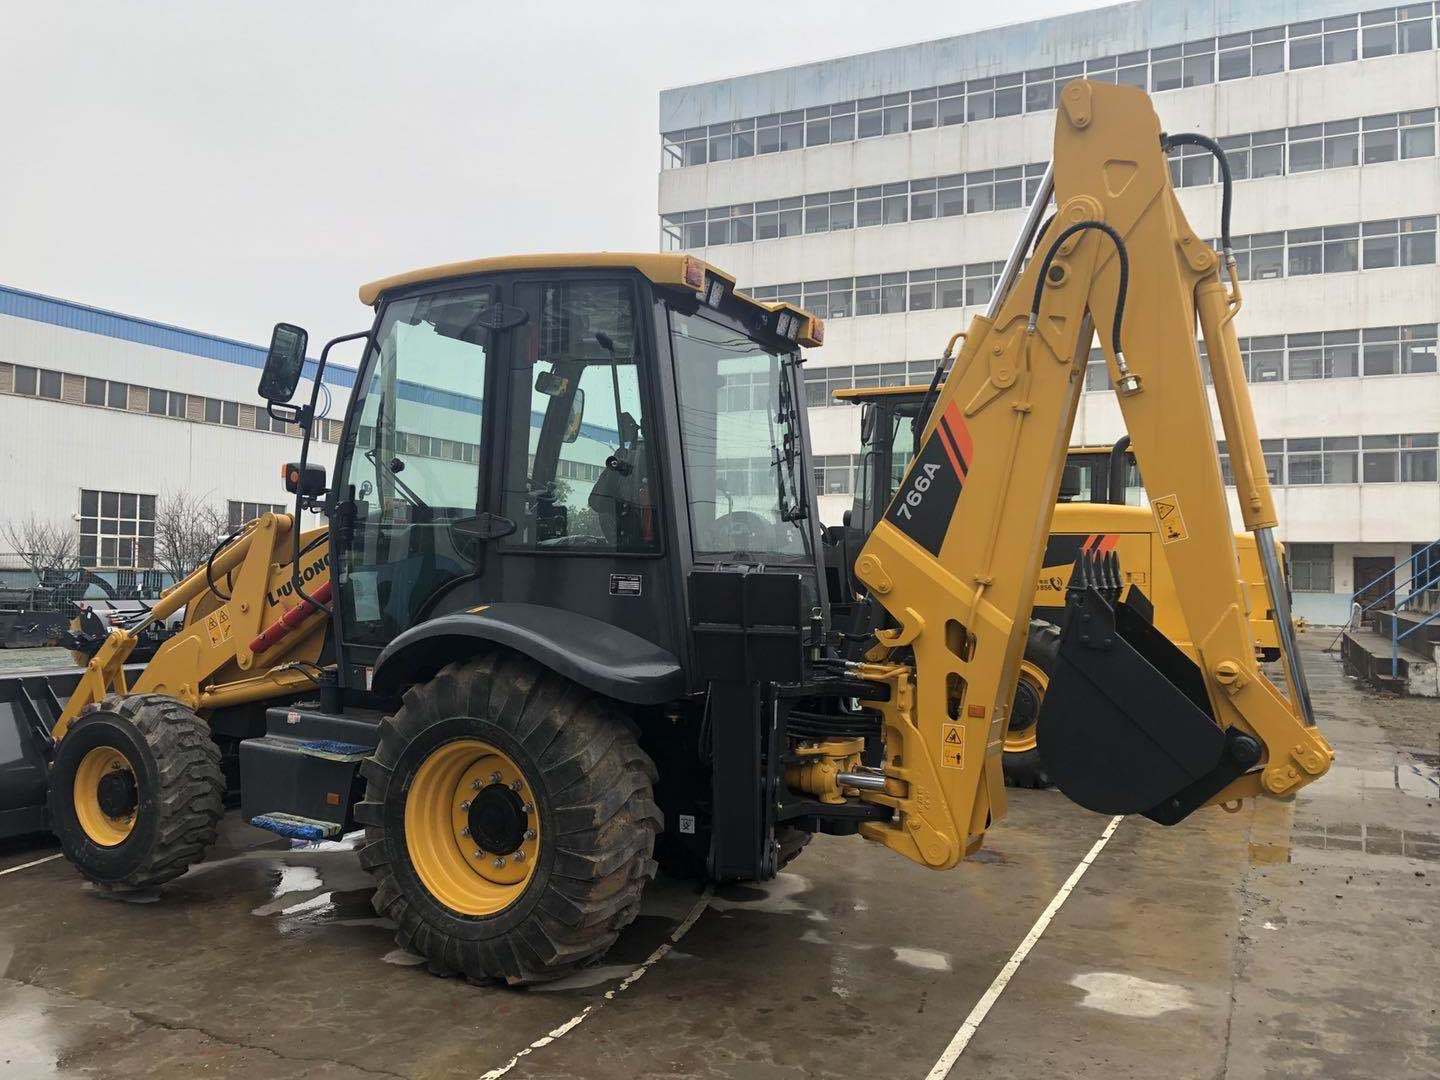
(136, 791)
(1023, 767)
(510, 822)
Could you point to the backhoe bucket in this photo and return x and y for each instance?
(1125, 726)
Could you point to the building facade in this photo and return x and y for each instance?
(105, 417)
(883, 191)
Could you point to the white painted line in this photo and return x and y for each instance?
(625, 984)
(982, 1007)
(26, 866)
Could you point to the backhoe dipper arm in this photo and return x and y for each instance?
(955, 556)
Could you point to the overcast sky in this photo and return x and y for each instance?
(225, 166)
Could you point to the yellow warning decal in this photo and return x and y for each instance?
(952, 746)
(1170, 520)
(218, 627)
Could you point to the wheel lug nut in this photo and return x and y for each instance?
(479, 854)
(529, 834)
(514, 785)
(494, 777)
(475, 785)
(527, 809)
(519, 856)
(465, 805)
(499, 861)
(465, 831)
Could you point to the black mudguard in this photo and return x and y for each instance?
(597, 655)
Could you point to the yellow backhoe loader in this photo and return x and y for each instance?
(569, 615)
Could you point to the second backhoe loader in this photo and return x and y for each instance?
(574, 618)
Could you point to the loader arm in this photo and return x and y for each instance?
(953, 560)
(252, 644)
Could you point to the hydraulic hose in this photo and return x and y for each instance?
(210, 564)
(1227, 181)
(1124, 257)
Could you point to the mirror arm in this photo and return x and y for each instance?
(305, 417)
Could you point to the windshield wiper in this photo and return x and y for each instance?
(796, 509)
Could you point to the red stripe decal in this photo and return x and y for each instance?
(960, 432)
(1108, 542)
(944, 436)
(1089, 542)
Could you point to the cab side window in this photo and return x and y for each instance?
(579, 474)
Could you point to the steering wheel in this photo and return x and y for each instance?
(745, 529)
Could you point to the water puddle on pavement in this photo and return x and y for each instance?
(1128, 995)
(1363, 794)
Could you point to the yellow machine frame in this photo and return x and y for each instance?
(1016, 387)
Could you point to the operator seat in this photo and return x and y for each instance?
(621, 496)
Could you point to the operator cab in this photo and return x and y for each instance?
(561, 440)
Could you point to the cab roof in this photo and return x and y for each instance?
(672, 269)
(866, 393)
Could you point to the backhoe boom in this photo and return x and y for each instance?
(1140, 727)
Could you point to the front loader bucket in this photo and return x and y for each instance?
(1125, 726)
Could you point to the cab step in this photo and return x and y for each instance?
(303, 774)
(295, 827)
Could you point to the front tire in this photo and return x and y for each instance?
(573, 800)
(136, 791)
(1023, 767)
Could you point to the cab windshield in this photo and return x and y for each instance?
(741, 444)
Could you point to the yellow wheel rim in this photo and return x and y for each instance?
(97, 765)
(466, 861)
(1029, 693)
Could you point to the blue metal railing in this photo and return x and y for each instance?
(1424, 570)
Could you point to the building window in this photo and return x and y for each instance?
(50, 383)
(1390, 459)
(1337, 248)
(1335, 144)
(1312, 567)
(1336, 40)
(238, 513)
(27, 380)
(117, 530)
(836, 474)
(95, 392)
(1347, 459)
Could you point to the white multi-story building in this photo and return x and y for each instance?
(882, 191)
(103, 417)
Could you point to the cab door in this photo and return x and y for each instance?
(577, 465)
(411, 478)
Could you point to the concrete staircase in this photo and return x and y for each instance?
(1367, 650)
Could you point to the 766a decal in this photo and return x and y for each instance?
(923, 508)
(920, 478)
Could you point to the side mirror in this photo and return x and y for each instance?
(577, 414)
(284, 363)
(867, 422)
